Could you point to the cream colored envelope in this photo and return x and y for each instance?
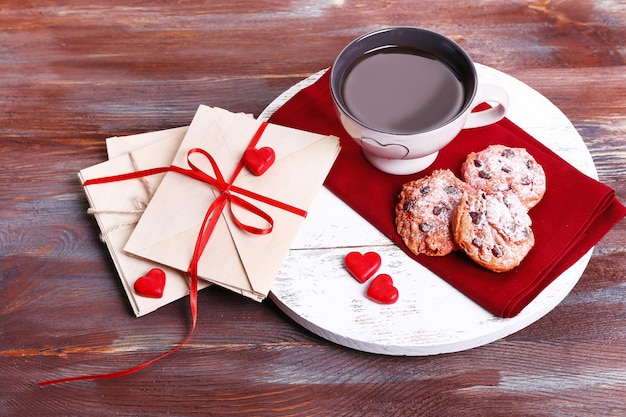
(233, 258)
(117, 207)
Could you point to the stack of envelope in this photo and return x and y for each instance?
(154, 221)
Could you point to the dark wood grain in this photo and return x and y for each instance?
(73, 73)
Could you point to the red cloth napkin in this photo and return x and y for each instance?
(575, 213)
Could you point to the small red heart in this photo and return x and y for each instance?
(259, 160)
(382, 290)
(362, 267)
(151, 285)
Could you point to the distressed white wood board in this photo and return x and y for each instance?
(431, 317)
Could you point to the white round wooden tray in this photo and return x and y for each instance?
(430, 317)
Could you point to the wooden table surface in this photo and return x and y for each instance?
(74, 73)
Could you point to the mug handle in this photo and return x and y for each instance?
(488, 93)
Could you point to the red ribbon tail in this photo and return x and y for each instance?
(130, 370)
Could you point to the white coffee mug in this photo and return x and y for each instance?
(403, 93)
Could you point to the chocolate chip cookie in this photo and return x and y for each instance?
(499, 168)
(493, 229)
(424, 211)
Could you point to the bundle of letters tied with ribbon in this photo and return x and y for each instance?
(216, 202)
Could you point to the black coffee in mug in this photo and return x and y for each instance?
(402, 90)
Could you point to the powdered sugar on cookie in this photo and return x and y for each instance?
(494, 230)
(499, 168)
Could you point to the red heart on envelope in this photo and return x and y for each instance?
(382, 290)
(362, 267)
(259, 160)
(152, 284)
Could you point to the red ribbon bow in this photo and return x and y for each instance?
(228, 195)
